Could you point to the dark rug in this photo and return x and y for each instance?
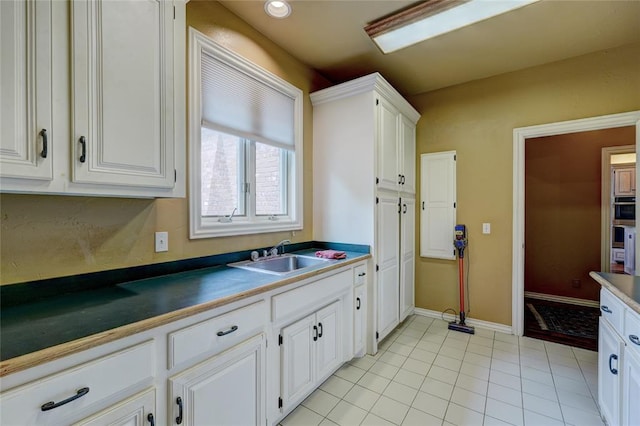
(578, 321)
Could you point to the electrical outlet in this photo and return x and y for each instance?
(486, 228)
(162, 241)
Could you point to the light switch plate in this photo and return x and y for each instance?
(486, 228)
(162, 241)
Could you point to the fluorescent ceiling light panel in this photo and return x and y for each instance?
(454, 16)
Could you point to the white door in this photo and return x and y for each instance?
(136, 411)
(359, 320)
(228, 389)
(329, 344)
(610, 349)
(631, 388)
(26, 135)
(122, 68)
(407, 257)
(387, 145)
(298, 359)
(387, 263)
(408, 156)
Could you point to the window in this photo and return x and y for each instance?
(246, 145)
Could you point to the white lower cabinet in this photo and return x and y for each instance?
(618, 362)
(360, 320)
(136, 411)
(388, 271)
(80, 391)
(631, 388)
(407, 257)
(228, 389)
(311, 350)
(610, 349)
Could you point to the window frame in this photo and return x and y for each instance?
(210, 226)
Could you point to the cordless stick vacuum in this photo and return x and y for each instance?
(460, 243)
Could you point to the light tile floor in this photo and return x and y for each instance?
(425, 374)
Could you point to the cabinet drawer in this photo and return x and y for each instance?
(632, 330)
(216, 334)
(307, 298)
(617, 255)
(360, 274)
(612, 309)
(106, 378)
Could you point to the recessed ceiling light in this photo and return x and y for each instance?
(277, 8)
(433, 18)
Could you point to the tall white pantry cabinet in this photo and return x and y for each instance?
(364, 188)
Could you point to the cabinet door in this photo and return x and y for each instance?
(329, 344)
(408, 156)
(135, 411)
(228, 389)
(610, 361)
(407, 256)
(298, 353)
(387, 145)
(122, 76)
(25, 89)
(625, 182)
(387, 254)
(359, 320)
(631, 388)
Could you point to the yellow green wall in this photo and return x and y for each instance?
(477, 120)
(45, 236)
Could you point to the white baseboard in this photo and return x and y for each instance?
(562, 299)
(493, 326)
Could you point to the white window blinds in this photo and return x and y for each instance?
(235, 102)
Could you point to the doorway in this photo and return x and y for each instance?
(519, 137)
(618, 165)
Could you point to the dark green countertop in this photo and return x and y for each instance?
(39, 324)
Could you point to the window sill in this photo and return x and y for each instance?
(213, 228)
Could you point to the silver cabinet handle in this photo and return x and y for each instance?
(606, 309)
(634, 339)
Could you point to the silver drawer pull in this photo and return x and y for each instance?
(634, 339)
(229, 331)
(606, 309)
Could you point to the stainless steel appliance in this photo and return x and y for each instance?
(624, 208)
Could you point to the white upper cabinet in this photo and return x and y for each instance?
(396, 148)
(122, 95)
(26, 134)
(387, 143)
(408, 155)
(112, 87)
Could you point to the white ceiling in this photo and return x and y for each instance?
(328, 36)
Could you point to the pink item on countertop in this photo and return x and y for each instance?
(331, 254)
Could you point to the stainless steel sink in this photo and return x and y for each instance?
(281, 265)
